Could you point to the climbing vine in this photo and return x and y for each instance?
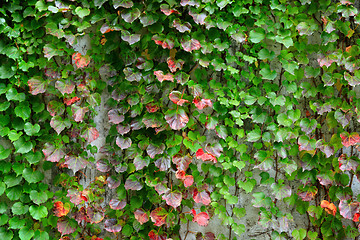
(205, 101)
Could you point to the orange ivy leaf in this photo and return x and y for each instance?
(60, 209)
(328, 207)
(80, 60)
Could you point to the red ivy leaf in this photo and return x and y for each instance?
(59, 124)
(203, 196)
(180, 174)
(163, 163)
(343, 118)
(69, 101)
(136, 124)
(161, 188)
(153, 150)
(182, 162)
(198, 18)
(153, 235)
(37, 85)
(148, 19)
(141, 216)
(80, 215)
(153, 120)
(111, 225)
(165, 43)
(75, 163)
(79, 112)
(115, 117)
(202, 218)
(64, 86)
(141, 162)
(207, 236)
(214, 150)
(75, 196)
(174, 64)
(166, 10)
(55, 108)
(306, 196)
(123, 129)
(326, 61)
(60, 210)
(193, 3)
(158, 216)
(203, 103)
(130, 38)
(132, 15)
(152, 107)
(66, 226)
(112, 183)
(173, 198)
(102, 166)
(95, 215)
(123, 143)
(90, 134)
(200, 154)
(176, 97)
(131, 76)
(348, 210)
(347, 164)
(161, 77)
(327, 149)
(181, 27)
(122, 3)
(116, 204)
(132, 183)
(352, 80)
(349, 139)
(52, 154)
(191, 45)
(177, 119)
(189, 180)
(80, 60)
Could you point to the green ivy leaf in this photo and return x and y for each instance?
(267, 73)
(257, 35)
(4, 233)
(32, 175)
(23, 110)
(23, 146)
(13, 95)
(82, 12)
(299, 234)
(6, 70)
(254, 135)
(38, 212)
(30, 129)
(4, 153)
(16, 223)
(14, 193)
(38, 197)
(3, 219)
(40, 235)
(19, 208)
(14, 135)
(2, 188)
(26, 233)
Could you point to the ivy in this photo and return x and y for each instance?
(206, 103)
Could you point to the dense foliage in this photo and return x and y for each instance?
(209, 100)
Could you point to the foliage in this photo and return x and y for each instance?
(209, 99)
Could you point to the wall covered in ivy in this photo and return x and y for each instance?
(179, 119)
